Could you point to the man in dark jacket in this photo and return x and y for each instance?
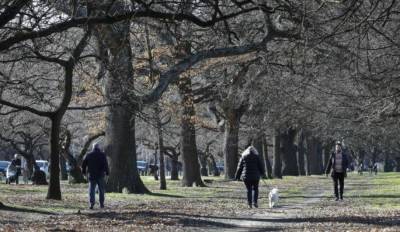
(337, 166)
(97, 167)
(250, 170)
(17, 164)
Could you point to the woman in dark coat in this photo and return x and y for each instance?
(250, 169)
(337, 166)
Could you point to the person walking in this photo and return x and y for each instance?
(337, 166)
(250, 169)
(97, 168)
(17, 164)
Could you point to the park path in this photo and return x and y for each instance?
(284, 217)
(293, 212)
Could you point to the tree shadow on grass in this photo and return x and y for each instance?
(304, 197)
(165, 195)
(361, 186)
(397, 196)
(379, 221)
(24, 210)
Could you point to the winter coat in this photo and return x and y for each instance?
(250, 166)
(331, 164)
(17, 164)
(96, 163)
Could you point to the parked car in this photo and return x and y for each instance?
(3, 166)
(44, 166)
(141, 166)
(221, 167)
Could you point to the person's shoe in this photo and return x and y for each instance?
(91, 207)
(255, 205)
(337, 198)
(102, 206)
(341, 198)
(250, 206)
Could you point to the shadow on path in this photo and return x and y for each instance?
(193, 220)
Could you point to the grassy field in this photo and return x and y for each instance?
(372, 203)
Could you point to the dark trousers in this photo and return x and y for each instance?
(100, 183)
(17, 174)
(17, 178)
(252, 185)
(338, 179)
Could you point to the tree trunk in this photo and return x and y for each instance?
(203, 163)
(397, 168)
(120, 121)
(277, 165)
(121, 152)
(231, 140)
(258, 144)
(54, 190)
(63, 169)
(300, 154)
(191, 167)
(388, 166)
(32, 166)
(289, 160)
(163, 183)
(375, 154)
(326, 155)
(214, 168)
(75, 171)
(315, 156)
(174, 169)
(154, 171)
(267, 162)
(30, 159)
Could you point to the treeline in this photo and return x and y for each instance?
(198, 76)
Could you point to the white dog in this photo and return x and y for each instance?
(273, 197)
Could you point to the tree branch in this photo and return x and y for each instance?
(147, 13)
(173, 74)
(26, 108)
(12, 11)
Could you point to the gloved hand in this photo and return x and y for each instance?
(106, 179)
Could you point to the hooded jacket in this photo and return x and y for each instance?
(250, 166)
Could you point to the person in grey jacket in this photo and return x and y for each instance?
(337, 166)
(250, 169)
(96, 165)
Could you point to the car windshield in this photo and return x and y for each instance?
(40, 164)
(4, 163)
(141, 163)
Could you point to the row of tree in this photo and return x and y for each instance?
(206, 75)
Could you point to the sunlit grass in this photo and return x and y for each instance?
(372, 192)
